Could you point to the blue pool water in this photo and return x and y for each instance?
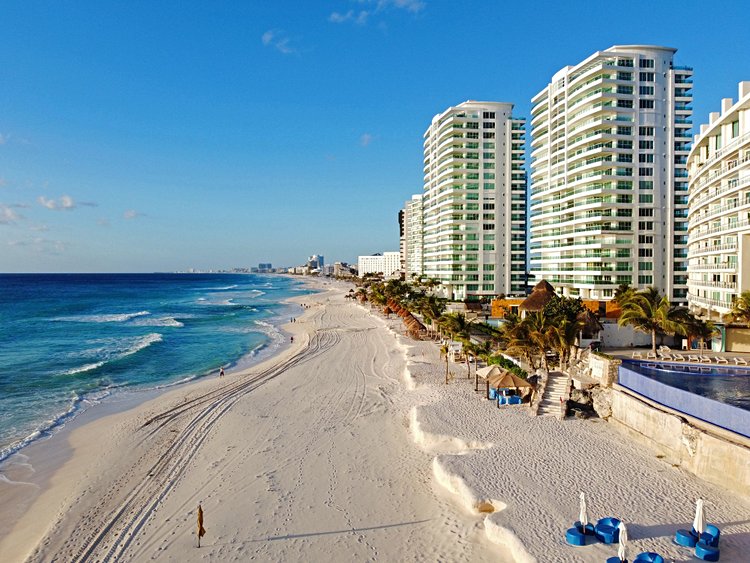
(726, 384)
(67, 341)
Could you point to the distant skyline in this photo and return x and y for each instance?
(147, 136)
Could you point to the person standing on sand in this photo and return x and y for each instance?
(221, 372)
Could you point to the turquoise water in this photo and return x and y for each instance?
(68, 341)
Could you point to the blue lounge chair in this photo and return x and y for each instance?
(514, 400)
(493, 394)
(574, 537)
(607, 530)
(686, 538)
(648, 557)
(706, 552)
(587, 530)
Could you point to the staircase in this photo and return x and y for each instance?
(554, 391)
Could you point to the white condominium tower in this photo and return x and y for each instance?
(609, 144)
(719, 220)
(413, 237)
(474, 201)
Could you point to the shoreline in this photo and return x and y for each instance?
(29, 471)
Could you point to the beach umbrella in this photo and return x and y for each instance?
(201, 529)
(623, 547)
(485, 373)
(509, 380)
(583, 517)
(699, 522)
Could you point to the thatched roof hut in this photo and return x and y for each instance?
(542, 294)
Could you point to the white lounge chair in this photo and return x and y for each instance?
(693, 358)
(720, 360)
(637, 355)
(705, 359)
(678, 358)
(667, 356)
(651, 356)
(740, 361)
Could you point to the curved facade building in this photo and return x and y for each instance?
(719, 221)
(609, 144)
(474, 204)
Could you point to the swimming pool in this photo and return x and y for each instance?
(726, 384)
(719, 395)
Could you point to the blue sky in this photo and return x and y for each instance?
(142, 136)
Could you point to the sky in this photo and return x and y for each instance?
(148, 136)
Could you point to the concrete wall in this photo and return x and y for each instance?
(604, 369)
(615, 336)
(738, 340)
(710, 456)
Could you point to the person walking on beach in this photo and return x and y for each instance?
(201, 529)
(221, 372)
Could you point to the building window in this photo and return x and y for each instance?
(489, 186)
(646, 63)
(488, 206)
(488, 124)
(488, 135)
(489, 175)
(624, 144)
(718, 140)
(645, 252)
(646, 76)
(488, 287)
(645, 158)
(624, 76)
(645, 198)
(648, 212)
(646, 171)
(735, 129)
(625, 62)
(488, 115)
(646, 90)
(488, 277)
(646, 145)
(645, 225)
(646, 104)
(623, 130)
(646, 131)
(488, 247)
(488, 165)
(472, 125)
(624, 103)
(645, 280)
(489, 145)
(488, 216)
(488, 155)
(488, 227)
(645, 239)
(488, 267)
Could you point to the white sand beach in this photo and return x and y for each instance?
(348, 446)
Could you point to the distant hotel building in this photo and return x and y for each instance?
(474, 204)
(413, 237)
(386, 263)
(719, 235)
(609, 144)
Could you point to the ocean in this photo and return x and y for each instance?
(68, 341)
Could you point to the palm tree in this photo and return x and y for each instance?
(702, 329)
(650, 312)
(741, 309)
(623, 294)
(444, 349)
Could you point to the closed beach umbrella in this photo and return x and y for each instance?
(699, 523)
(485, 373)
(583, 516)
(201, 529)
(623, 547)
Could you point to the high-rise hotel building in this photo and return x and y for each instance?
(474, 204)
(609, 143)
(719, 220)
(413, 237)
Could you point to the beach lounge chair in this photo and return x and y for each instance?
(607, 530)
(740, 361)
(678, 358)
(706, 552)
(720, 360)
(667, 356)
(637, 355)
(705, 359)
(648, 557)
(651, 356)
(693, 358)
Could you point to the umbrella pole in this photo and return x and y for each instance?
(476, 381)
(488, 389)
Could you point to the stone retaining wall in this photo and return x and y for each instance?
(718, 457)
